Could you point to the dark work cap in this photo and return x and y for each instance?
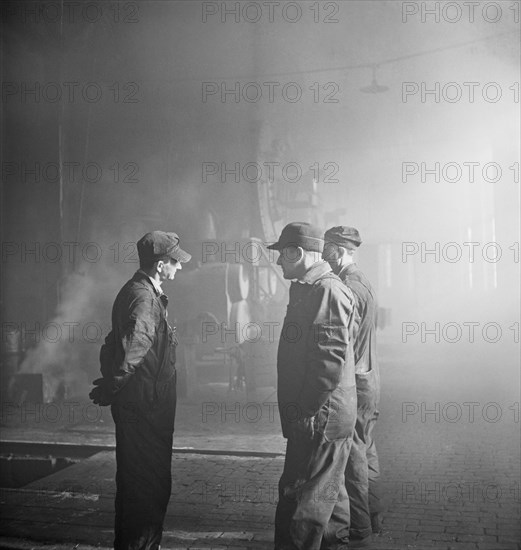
(343, 236)
(157, 245)
(302, 234)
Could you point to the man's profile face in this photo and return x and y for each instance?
(168, 269)
(289, 262)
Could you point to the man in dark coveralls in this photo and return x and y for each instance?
(316, 396)
(139, 382)
(363, 470)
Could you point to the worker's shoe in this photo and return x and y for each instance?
(376, 523)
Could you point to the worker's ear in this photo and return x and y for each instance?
(331, 252)
(292, 254)
(159, 265)
(299, 254)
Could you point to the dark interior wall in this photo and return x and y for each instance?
(149, 133)
(31, 200)
(133, 135)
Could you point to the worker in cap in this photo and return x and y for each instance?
(139, 382)
(315, 383)
(301, 234)
(338, 241)
(363, 471)
(158, 245)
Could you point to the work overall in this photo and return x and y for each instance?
(143, 409)
(363, 471)
(317, 405)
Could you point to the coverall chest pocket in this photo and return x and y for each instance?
(167, 374)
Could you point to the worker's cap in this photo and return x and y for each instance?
(302, 234)
(348, 237)
(157, 245)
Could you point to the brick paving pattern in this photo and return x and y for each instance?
(450, 479)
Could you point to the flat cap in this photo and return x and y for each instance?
(343, 236)
(302, 234)
(157, 245)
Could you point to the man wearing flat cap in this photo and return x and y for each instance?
(316, 396)
(139, 382)
(363, 470)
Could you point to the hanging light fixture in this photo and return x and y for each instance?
(374, 87)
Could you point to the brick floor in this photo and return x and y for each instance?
(449, 483)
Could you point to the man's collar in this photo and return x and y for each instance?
(347, 270)
(315, 272)
(155, 284)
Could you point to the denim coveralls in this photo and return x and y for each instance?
(317, 405)
(138, 357)
(363, 469)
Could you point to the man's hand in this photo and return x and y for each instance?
(304, 428)
(101, 394)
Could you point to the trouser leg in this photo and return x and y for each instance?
(373, 465)
(357, 485)
(311, 493)
(362, 479)
(143, 478)
(338, 530)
